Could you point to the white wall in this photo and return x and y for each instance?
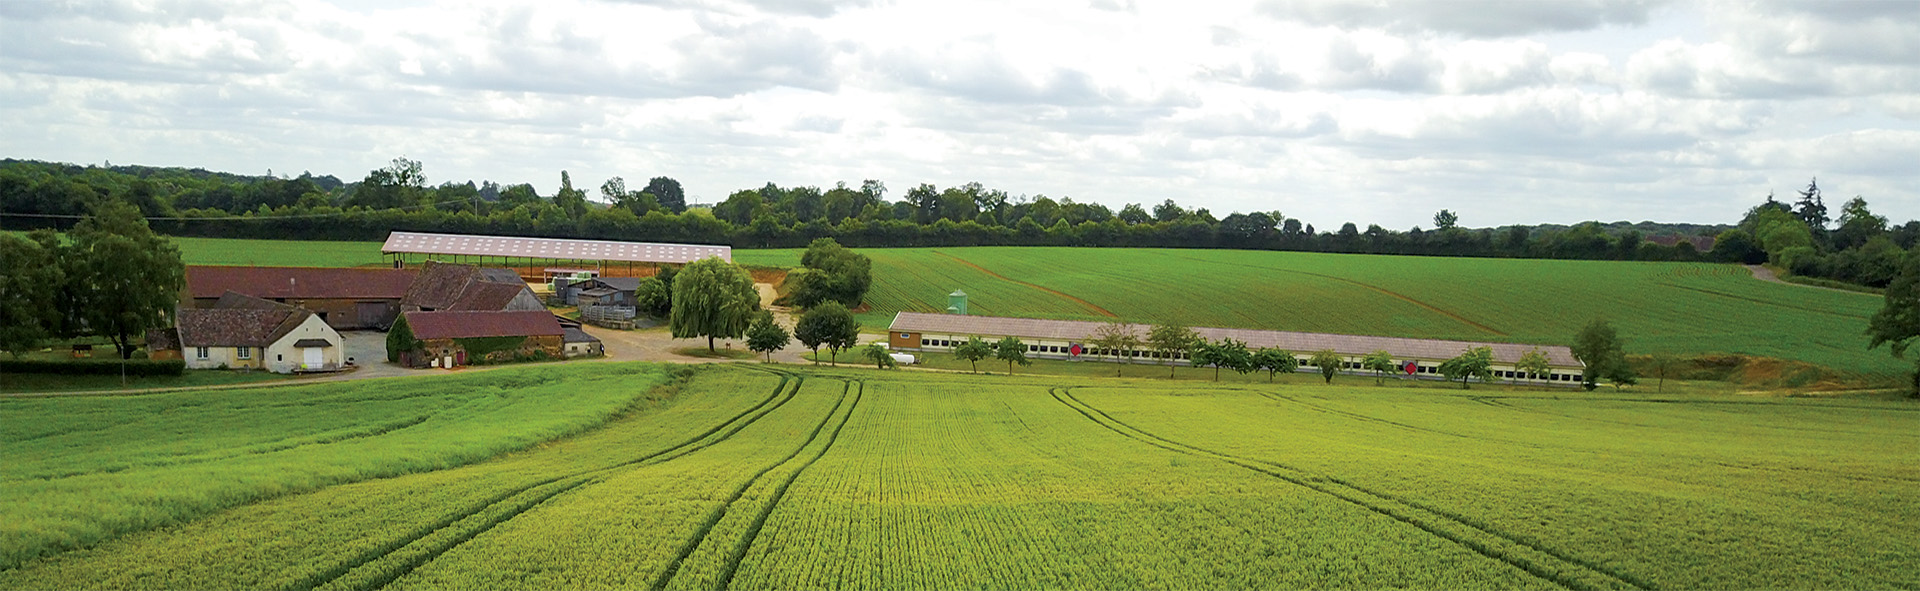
(283, 357)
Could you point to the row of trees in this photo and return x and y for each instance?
(115, 279)
(1858, 247)
(398, 197)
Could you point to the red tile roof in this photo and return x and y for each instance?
(298, 282)
(1296, 342)
(237, 327)
(475, 324)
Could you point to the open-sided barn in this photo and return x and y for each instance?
(1060, 339)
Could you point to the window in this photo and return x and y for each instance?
(243, 352)
(926, 342)
(199, 352)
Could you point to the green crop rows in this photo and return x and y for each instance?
(1676, 307)
(806, 478)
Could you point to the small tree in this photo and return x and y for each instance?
(1012, 351)
(1207, 354)
(1329, 363)
(1170, 340)
(767, 336)
(1662, 361)
(1598, 346)
(653, 298)
(828, 324)
(1275, 361)
(1116, 339)
(1476, 362)
(1380, 362)
(878, 354)
(1534, 364)
(973, 351)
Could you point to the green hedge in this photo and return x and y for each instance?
(134, 367)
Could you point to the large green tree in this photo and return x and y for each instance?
(121, 278)
(1116, 339)
(828, 324)
(712, 298)
(1598, 346)
(29, 290)
(1898, 321)
(831, 272)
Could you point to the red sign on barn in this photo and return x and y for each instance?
(1411, 367)
(1074, 349)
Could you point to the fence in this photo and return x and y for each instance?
(620, 317)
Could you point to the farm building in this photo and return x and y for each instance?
(241, 331)
(580, 344)
(600, 291)
(1059, 339)
(538, 256)
(448, 286)
(344, 298)
(455, 338)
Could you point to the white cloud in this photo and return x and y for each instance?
(1374, 112)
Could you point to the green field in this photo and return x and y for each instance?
(1675, 307)
(77, 470)
(749, 477)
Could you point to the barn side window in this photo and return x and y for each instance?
(243, 352)
(199, 352)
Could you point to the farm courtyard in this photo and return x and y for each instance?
(633, 475)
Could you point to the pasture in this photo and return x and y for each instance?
(755, 477)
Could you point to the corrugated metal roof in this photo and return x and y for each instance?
(467, 325)
(551, 248)
(1297, 342)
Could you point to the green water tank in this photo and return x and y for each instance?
(957, 302)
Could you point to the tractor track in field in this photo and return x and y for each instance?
(753, 532)
(665, 579)
(399, 561)
(1061, 294)
(1381, 290)
(1764, 302)
(1549, 565)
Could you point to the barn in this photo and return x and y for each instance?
(344, 298)
(541, 257)
(456, 338)
(1066, 339)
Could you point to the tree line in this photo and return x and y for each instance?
(399, 196)
(112, 277)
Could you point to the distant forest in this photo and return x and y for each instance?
(1799, 237)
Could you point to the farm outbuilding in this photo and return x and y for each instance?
(449, 286)
(538, 257)
(1067, 339)
(451, 339)
(344, 298)
(243, 332)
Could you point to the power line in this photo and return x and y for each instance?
(233, 217)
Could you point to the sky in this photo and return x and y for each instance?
(1372, 111)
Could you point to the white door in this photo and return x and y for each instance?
(313, 355)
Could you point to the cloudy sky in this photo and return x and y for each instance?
(1373, 111)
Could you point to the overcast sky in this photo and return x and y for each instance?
(1505, 111)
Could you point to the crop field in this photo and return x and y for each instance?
(1675, 307)
(79, 470)
(750, 477)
